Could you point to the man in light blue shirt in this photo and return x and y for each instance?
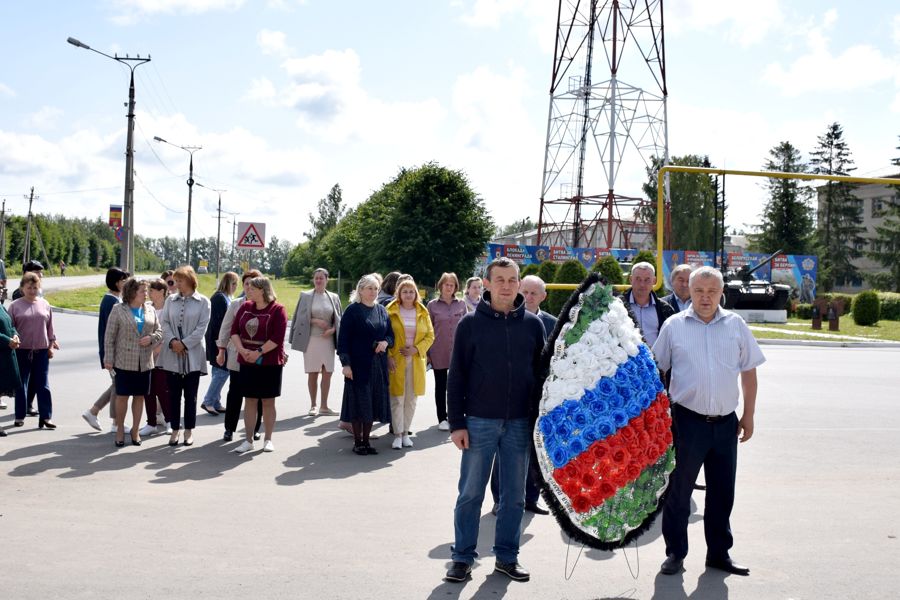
(707, 348)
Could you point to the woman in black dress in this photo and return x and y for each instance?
(363, 340)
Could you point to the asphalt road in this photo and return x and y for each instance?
(816, 513)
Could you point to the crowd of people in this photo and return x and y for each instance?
(158, 337)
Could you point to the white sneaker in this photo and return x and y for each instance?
(268, 446)
(444, 425)
(4, 405)
(168, 428)
(147, 430)
(407, 443)
(244, 447)
(397, 443)
(91, 420)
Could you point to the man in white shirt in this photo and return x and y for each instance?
(707, 348)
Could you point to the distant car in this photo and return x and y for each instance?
(202, 270)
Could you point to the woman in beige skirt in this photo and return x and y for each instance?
(314, 330)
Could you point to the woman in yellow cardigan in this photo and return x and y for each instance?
(413, 335)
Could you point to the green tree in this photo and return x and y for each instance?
(331, 210)
(531, 269)
(887, 245)
(571, 271)
(519, 226)
(839, 214)
(692, 197)
(608, 268)
(787, 218)
(425, 221)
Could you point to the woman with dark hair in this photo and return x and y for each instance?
(219, 301)
(258, 335)
(157, 399)
(115, 277)
(364, 339)
(33, 319)
(9, 366)
(184, 323)
(131, 333)
(314, 331)
(228, 357)
(388, 287)
(446, 310)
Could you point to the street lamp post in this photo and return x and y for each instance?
(126, 258)
(190, 183)
(219, 230)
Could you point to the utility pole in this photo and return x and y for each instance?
(26, 256)
(233, 236)
(218, 229)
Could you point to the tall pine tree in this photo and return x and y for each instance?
(840, 212)
(887, 244)
(787, 219)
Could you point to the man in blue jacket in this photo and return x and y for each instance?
(491, 379)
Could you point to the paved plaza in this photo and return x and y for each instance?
(816, 515)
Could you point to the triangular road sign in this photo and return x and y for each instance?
(252, 235)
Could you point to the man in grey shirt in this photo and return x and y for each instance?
(707, 348)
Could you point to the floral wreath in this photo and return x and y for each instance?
(603, 437)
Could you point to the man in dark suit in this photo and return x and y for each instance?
(649, 311)
(680, 298)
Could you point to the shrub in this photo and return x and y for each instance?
(527, 270)
(547, 271)
(848, 302)
(571, 271)
(890, 306)
(804, 311)
(608, 268)
(866, 308)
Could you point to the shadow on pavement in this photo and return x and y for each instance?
(710, 586)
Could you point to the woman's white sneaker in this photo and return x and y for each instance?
(268, 446)
(244, 447)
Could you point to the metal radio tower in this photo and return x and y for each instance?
(607, 119)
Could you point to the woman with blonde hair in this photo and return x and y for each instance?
(364, 339)
(446, 310)
(132, 331)
(314, 331)
(183, 356)
(258, 336)
(413, 336)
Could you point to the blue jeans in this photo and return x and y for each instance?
(217, 379)
(34, 366)
(509, 440)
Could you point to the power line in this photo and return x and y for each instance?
(146, 189)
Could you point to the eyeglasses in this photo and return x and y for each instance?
(170, 282)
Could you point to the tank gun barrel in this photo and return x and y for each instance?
(763, 262)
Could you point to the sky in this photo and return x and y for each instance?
(289, 97)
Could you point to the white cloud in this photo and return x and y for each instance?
(745, 23)
(896, 30)
(5, 90)
(539, 14)
(819, 70)
(273, 43)
(131, 11)
(45, 118)
(895, 105)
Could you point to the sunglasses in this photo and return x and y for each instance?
(170, 282)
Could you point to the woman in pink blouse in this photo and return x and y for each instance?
(446, 311)
(258, 336)
(33, 320)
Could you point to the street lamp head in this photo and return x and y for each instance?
(159, 139)
(78, 43)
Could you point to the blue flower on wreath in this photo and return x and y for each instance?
(546, 426)
(559, 456)
(576, 445)
(616, 401)
(571, 407)
(580, 418)
(564, 429)
(619, 417)
(621, 378)
(599, 407)
(605, 388)
(590, 434)
(629, 367)
(556, 416)
(605, 427)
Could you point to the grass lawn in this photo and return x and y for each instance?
(88, 299)
(883, 330)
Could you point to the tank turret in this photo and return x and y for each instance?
(744, 291)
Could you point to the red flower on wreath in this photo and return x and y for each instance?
(581, 503)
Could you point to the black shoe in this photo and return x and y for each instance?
(699, 486)
(210, 410)
(370, 449)
(671, 565)
(2, 433)
(120, 444)
(513, 570)
(729, 566)
(31, 412)
(220, 409)
(256, 436)
(135, 442)
(534, 508)
(460, 571)
(359, 449)
(46, 423)
(229, 435)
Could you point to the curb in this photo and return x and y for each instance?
(828, 344)
(69, 311)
